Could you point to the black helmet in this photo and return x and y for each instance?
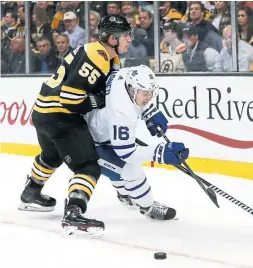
(112, 24)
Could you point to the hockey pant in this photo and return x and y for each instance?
(128, 179)
(72, 144)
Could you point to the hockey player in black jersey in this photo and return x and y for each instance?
(77, 87)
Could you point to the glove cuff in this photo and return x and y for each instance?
(158, 153)
(97, 101)
(151, 111)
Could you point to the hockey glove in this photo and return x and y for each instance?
(154, 119)
(97, 101)
(169, 153)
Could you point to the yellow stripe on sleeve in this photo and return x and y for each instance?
(80, 187)
(49, 98)
(87, 178)
(45, 170)
(67, 101)
(51, 110)
(69, 58)
(73, 90)
(39, 177)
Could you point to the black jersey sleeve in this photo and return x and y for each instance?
(84, 87)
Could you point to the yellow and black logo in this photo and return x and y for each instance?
(103, 54)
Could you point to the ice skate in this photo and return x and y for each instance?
(74, 223)
(33, 200)
(159, 212)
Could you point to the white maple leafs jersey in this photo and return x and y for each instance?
(116, 124)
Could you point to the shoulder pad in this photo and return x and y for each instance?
(99, 56)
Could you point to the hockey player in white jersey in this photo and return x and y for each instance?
(130, 97)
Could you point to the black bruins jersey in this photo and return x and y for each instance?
(65, 93)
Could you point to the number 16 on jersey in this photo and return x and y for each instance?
(120, 132)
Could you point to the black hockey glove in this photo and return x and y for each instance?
(97, 101)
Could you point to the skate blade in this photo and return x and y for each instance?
(34, 207)
(153, 219)
(92, 232)
(134, 206)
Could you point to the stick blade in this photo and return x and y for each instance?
(213, 196)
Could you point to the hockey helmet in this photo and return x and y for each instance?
(141, 78)
(112, 24)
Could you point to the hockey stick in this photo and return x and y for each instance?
(220, 192)
(210, 192)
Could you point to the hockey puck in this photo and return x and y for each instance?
(160, 255)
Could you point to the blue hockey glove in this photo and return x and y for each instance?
(154, 119)
(169, 153)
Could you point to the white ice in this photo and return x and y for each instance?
(203, 237)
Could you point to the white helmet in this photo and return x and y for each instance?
(141, 78)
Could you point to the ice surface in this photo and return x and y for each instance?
(203, 237)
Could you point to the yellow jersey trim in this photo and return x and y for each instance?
(73, 90)
(48, 98)
(51, 110)
(87, 178)
(100, 61)
(45, 170)
(80, 187)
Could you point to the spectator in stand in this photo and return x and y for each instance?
(57, 23)
(245, 53)
(5, 51)
(10, 24)
(8, 6)
(171, 55)
(146, 6)
(94, 21)
(132, 21)
(221, 16)
(168, 13)
(49, 8)
(130, 8)
(62, 45)
(199, 56)
(16, 61)
(21, 21)
(39, 26)
(186, 17)
(113, 8)
(206, 31)
(75, 33)
(245, 22)
(146, 23)
(80, 12)
(46, 61)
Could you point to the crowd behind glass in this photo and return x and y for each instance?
(195, 36)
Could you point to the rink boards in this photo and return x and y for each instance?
(213, 116)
